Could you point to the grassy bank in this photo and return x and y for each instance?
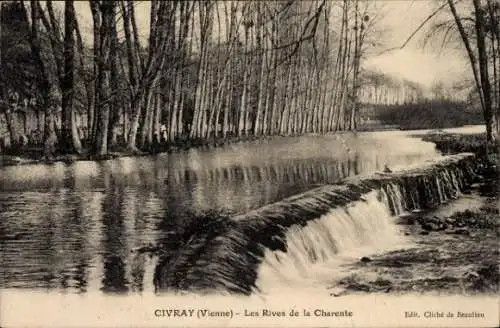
(460, 143)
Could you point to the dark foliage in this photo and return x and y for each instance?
(19, 72)
(431, 114)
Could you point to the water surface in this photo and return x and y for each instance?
(75, 227)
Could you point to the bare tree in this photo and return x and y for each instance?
(479, 67)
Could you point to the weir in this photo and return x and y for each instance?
(234, 254)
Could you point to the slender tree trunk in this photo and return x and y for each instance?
(243, 101)
(356, 63)
(133, 71)
(107, 11)
(116, 101)
(483, 70)
(158, 117)
(96, 18)
(274, 81)
(259, 34)
(175, 105)
(66, 142)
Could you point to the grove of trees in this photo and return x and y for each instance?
(205, 70)
(382, 89)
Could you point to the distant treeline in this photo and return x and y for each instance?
(428, 114)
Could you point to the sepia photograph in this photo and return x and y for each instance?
(273, 163)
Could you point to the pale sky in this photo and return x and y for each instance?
(415, 62)
(398, 19)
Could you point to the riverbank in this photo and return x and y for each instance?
(450, 143)
(29, 154)
(34, 154)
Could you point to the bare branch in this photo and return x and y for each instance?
(424, 22)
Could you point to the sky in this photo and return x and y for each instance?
(398, 19)
(421, 64)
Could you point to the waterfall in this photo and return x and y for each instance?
(316, 251)
(393, 197)
(304, 238)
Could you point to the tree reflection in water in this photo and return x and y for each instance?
(78, 226)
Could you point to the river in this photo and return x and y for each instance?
(77, 227)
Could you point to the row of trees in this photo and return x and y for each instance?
(382, 89)
(207, 69)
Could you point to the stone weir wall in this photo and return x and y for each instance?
(223, 254)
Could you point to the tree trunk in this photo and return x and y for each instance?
(136, 105)
(116, 100)
(70, 140)
(259, 34)
(89, 89)
(107, 11)
(483, 71)
(243, 100)
(356, 64)
(96, 18)
(10, 119)
(145, 114)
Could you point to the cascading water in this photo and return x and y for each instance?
(315, 253)
(393, 197)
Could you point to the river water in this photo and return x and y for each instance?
(76, 227)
